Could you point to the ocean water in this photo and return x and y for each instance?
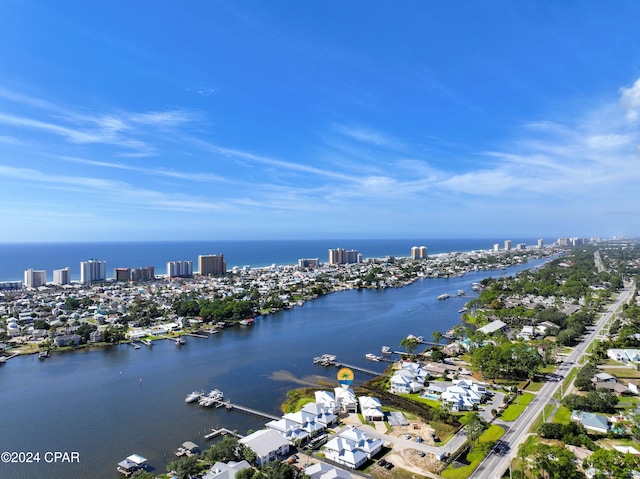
(16, 258)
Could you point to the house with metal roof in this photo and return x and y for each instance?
(267, 444)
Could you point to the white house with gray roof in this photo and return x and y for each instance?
(267, 444)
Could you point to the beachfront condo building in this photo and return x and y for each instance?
(93, 270)
(62, 276)
(211, 264)
(540, 243)
(179, 269)
(122, 274)
(507, 245)
(419, 252)
(308, 262)
(147, 273)
(34, 278)
(342, 256)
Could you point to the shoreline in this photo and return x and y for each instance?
(320, 281)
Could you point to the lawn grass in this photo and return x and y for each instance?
(481, 448)
(516, 408)
(535, 386)
(624, 373)
(562, 415)
(429, 402)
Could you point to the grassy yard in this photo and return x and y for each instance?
(480, 450)
(623, 373)
(516, 408)
(548, 409)
(535, 386)
(562, 415)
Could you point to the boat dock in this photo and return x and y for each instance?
(331, 360)
(146, 342)
(218, 400)
(134, 345)
(219, 432)
(197, 335)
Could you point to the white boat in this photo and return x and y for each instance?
(463, 310)
(443, 296)
(194, 396)
(215, 394)
(386, 350)
(476, 286)
(460, 292)
(43, 354)
(3, 360)
(372, 357)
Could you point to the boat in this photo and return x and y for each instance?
(463, 310)
(3, 359)
(325, 359)
(43, 354)
(460, 292)
(372, 357)
(476, 286)
(443, 296)
(194, 396)
(386, 350)
(180, 341)
(247, 322)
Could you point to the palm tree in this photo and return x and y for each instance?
(437, 336)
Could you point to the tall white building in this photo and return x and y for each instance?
(93, 270)
(419, 252)
(496, 247)
(507, 245)
(34, 278)
(179, 269)
(62, 276)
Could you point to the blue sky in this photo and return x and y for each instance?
(141, 120)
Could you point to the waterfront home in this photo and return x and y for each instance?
(346, 399)
(306, 421)
(371, 408)
(67, 340)
(493, 327)
(95, 336)
(591, 421)
(352, 447)
(321, 414)
(463, 395)
(220, 470)
(409, 379)
(327, 400)
(632, 385)
(292, 431)
(267, 444)
(320, 470)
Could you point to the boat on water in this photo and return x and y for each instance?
(180, 341)
(3, 359)
(372, 357)
(461, 292)
(476, 286)
(194, 396)
(247, 322)
(325, 359)
(443, 296)
(43, 354)
(386, 349)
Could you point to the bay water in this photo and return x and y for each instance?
(108, 403)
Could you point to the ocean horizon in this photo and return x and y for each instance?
(16, 258)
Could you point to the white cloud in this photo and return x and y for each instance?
(630, 101)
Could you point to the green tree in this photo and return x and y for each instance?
(437, 337)
(185, 467)
(410, 344)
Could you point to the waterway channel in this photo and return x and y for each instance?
(106, 404)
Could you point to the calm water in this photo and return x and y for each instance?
(16, 258)
(109, 403)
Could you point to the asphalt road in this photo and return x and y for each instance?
(499, 458)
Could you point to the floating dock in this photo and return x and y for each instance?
(220, 432)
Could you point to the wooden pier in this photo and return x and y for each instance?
(219, 432)
(134, 345)
(331, 360)
(197, 335)
(231, 406)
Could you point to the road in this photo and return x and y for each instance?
(496, 462)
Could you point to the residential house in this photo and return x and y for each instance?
(95, 336)
(320, 470)
(321, 413)
(463, 395)
(591, 421)
(493, 327)
(67, 340)
(306, 421)
(352, 448)
(290, 430)
(546, 328)
(624, 355)
(267, 444)
(371, 408)
(328, 401)
(346, 399)
(220, 470)
(602, 378)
